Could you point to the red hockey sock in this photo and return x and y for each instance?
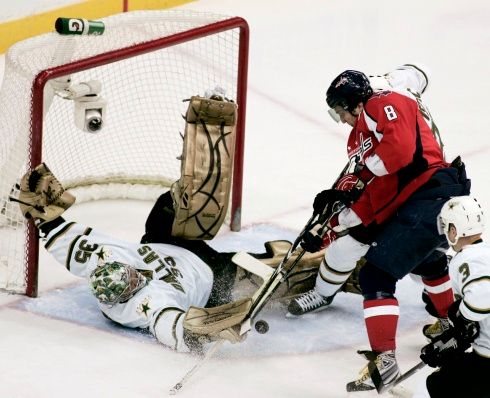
(440, 292)
(381, 317)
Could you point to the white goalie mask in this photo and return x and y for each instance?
(116, 282)
(465, 213)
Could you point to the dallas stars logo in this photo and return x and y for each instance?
(144, 307)
(103, 255)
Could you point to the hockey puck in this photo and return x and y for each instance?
(261, 327)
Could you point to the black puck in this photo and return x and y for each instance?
(261, 327)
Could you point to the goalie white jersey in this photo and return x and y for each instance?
(177, 278)
(470, 273)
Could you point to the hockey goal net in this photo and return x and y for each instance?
(145, 64)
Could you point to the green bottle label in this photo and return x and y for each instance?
(78, 26)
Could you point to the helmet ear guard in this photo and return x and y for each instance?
(465, 213)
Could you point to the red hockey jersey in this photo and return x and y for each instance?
(392, 127)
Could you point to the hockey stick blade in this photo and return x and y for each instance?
(409, 373)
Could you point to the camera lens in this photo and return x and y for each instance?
(93, 120)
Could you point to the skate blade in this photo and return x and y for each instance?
(352, 387)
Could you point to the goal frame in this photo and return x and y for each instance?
(36, 138)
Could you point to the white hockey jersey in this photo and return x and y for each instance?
(178, 278)
(470, 272)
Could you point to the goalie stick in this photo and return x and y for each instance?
(280, 274)
(265, 292)
(261, 296)
(209, 354)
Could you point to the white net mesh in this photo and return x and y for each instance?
(140, 141)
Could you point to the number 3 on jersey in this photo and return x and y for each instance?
(390, 112)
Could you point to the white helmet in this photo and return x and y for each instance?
(465, 213)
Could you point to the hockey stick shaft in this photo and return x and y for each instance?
(279, 276)
(409, 372)
(378, 381)
(272, 287)
(209, 354)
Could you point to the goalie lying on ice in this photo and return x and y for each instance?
(148, 285)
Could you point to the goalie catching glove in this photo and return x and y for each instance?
(203, 325)
(42, 197)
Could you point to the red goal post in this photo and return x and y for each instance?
(147, 63)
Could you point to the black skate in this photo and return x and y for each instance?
(382, 368)
(308, 302)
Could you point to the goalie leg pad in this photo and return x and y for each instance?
(201, 195)
(300, 280)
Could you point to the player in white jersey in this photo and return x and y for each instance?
(147, 285)
(461, 373)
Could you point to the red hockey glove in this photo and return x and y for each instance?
(313, 241)
(328, 198)
(349, 182)
(354, 183)
(356, 180)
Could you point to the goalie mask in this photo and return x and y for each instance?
(115, 282)
(465, 213)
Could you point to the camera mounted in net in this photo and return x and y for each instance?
(89, 106)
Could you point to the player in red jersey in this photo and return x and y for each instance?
(396, 187)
